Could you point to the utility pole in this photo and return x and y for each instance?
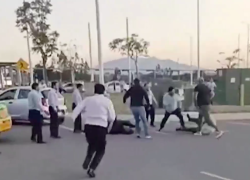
(247, 45)
(191, 60)
(99, 43)
(29, 55)
(198, 37)
(90, 55)
(129, 60)
(239, 50)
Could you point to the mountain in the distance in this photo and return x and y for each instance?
(145, 63)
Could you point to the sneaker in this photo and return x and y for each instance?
(198, 134)
(91, 173)
(219, 134)
(148, 137)
(138, 136)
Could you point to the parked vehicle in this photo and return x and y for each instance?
(69, 87)
(5, 119)
(116, 86)
(16, 100)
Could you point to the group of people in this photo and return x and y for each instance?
(99, 115)
(35, 112)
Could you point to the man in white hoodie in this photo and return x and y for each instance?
(170, 102)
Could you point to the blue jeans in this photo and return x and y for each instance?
(140, 115)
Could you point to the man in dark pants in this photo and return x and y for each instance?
(35, 117)
(170, 102)
(99, 115)
(150, 109)
(53, 110)
(77, 98)
(137, 96)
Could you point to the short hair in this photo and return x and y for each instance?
(99, 89)
(34, 85)
(53, 84)
(78, 85)
(136, 81)
(170, 89)
(201, 80)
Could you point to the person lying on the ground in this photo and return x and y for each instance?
(122, 127)
(205, 130)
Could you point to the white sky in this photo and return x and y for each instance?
(166, 24)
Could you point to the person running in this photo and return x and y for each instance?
(77, 98)
(211, 84)
(99, 114)
(150, 109)
(35, 116)
(170, 103)
(137, 94)
(53, 110)
(202, 95)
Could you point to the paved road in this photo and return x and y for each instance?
(168, 156)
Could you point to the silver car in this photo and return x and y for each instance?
(16, 100)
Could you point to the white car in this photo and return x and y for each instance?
(116, 87)
(16, 100)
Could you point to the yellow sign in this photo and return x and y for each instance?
(22, 65)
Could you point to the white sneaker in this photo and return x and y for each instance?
(219, 134)
(148, 137)
(198, 134)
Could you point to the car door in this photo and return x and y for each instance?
(8, 98)
(21, 104)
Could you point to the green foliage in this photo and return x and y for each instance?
(132, 47)
(32, 17)
(231, 61)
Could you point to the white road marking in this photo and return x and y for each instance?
(239, 123)
(214, 175)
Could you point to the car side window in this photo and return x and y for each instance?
(69, 85)
(23, 93)
(8, 95)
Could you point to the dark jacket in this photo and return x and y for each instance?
(137, 94)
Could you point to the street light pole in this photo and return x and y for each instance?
(30, 62)
(129, 60)
(198, 37)
(101, 73)
(191, 60)
(90, 55)
(247, 45)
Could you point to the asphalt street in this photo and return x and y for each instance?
(168, 156)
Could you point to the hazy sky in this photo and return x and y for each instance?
(166, 24)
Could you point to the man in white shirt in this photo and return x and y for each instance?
(77, 98)
(53, 110)
(35, 117)
(99, 114)
(170, 103)
(150, 108)
(211, 85)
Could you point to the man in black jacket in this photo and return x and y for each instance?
(137, 94)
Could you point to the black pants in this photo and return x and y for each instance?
(54, 122)
(176, 112)
(150, 112)
(78, 121)
(36, 120)
(96, 138)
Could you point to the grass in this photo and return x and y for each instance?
(116, 98)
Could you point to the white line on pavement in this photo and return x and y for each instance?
(214, 175)
(240, 123)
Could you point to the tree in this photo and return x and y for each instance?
(132, 47)
(230, 60)
(32, 18)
